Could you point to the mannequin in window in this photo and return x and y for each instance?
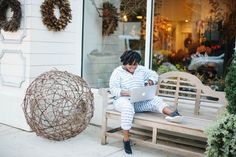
(188, 41)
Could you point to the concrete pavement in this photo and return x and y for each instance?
(18, 143)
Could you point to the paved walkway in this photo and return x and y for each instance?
(18, 143)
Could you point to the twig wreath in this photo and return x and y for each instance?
(109, 19)
(50, 20)
(13, 24)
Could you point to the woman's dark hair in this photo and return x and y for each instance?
(130, 57)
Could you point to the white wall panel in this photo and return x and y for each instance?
(12, 68)
(42, 50)
(11, 110)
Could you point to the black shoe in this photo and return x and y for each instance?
(175, 113)
(127, 147)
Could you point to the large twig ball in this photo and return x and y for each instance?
(58, 105)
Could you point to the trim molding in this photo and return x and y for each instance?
(22, 72)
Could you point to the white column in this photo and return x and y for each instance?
(149, 33)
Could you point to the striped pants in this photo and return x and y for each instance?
(128, 109)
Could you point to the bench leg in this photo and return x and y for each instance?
(154, 135)
(103, 130)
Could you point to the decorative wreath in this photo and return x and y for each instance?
(13, 24)
(50, 20)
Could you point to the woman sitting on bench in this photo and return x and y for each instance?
(132, 75)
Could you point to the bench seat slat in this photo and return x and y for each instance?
(188, 122)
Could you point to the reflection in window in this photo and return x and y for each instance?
(110, 28)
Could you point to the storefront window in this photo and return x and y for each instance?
(187, 35)
(110, 28)
(191, 36)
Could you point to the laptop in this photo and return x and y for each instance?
(142, 93)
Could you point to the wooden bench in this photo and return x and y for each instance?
(198, 104)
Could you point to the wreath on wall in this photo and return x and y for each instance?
(13, 24)
(50, 20)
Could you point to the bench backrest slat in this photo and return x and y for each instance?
(182, 85)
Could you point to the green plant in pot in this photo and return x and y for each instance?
(222, 136)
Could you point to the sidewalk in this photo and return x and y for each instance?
(18, 143)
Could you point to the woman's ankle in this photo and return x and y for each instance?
(125, 139)
(126, 135)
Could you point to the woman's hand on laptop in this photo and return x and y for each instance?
(149, 83)
(125, 93)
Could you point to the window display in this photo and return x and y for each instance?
(189, 36)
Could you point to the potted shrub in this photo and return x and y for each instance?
(222, 136)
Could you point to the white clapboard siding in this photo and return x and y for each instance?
(46, 36)
(52, 47)
(51, 59)
(34, 2)
(35, 22)
(35, 71)
(24, 47)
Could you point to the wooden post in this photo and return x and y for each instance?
(104, 94)
(154, 135)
